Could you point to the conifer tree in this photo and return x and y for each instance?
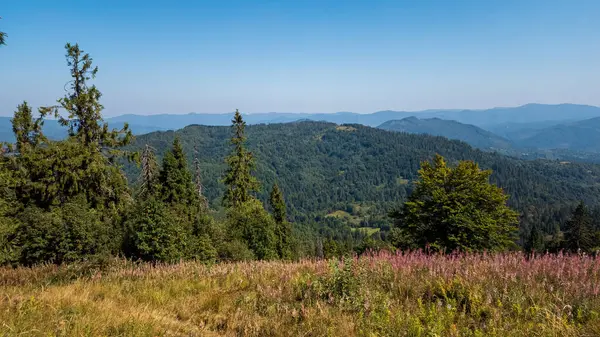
(282, 226)
(578, 232)
(535, 241)
(238, 178)
(82, 105)
(28, 133)
(175, 177)
(149, 174)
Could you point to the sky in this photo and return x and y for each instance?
(305, 55)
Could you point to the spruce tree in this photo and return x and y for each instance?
(85, 162)
(175, 177)
(27, 131)
(238, 178)
(149, 175)
(579, 235)
(282, 226)
(82, 105)
(535, 240)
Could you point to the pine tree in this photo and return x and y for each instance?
(578, 232)
(175, 177)
(238, 178)
(282, 226)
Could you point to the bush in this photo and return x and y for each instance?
(251, 224)
(68, 233)
(154, 234)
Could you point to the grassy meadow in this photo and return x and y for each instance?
(410, 294)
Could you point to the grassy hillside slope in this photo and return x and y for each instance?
(385, 295)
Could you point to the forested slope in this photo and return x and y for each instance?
(323, 167)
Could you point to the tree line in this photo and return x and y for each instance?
(69, 200)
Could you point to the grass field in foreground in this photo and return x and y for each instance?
(410, 294)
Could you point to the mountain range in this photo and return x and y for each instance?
(530, 113)
(471, 134)
(324, 168)
(531, 128)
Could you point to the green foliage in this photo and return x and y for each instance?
(8, 207)
(59, 171)
(283, 229)
(579, 235)
(82, 104)
(236, 250)
(148, 179)
(154, 234)
(71, 232)
(28, 133)
(535, 242)
(457, 208)
(175, 178)
(238, 178)
(250, 223)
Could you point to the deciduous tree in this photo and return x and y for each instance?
(457, 208)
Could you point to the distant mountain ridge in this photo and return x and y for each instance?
(537, 126)
(581, 136)
(528, 113)
(471, 134)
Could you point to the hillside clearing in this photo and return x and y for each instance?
(387, 295)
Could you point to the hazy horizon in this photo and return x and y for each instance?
(158, 57)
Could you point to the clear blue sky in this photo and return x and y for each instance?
(304, 55)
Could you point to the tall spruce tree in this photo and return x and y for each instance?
(85, 162)
(238, 178)
(148, 179)
(579, 235)
(283, 230)
(82, 105)
(175, 177)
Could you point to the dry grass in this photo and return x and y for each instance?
(383, 295)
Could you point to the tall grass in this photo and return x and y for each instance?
(404, 294)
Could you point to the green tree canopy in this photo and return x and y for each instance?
(579, 234)
(250, 223)
(82, 105)
(238, 178)
(283, 229)
(457, 208)
(27, 131)
(175, 177)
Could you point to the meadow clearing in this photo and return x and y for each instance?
(381, 294)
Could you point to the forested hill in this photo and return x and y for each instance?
(470, 134)
(324, 167)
